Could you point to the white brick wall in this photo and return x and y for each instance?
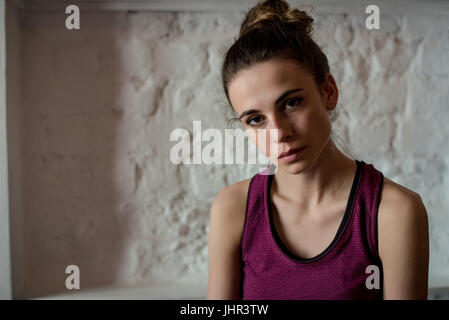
(99, 105)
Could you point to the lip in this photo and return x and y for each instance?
(290, 152)
(291, 155)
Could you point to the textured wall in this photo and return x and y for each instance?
(100, 103)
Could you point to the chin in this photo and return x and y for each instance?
(293, 168)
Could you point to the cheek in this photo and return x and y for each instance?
(315, 123)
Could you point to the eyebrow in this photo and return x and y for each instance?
(281, 97)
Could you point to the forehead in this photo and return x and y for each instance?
(262, 83)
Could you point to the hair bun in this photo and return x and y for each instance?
(276, 11)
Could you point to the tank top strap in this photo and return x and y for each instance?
(368, 203)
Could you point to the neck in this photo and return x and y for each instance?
(323, 180)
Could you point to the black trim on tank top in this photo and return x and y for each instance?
(375, 220)
(344, 222)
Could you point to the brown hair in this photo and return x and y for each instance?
(272, 30)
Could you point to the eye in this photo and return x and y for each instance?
(292, 103)
(253, 121)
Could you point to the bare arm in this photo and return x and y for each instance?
(225, 230)
(404, 247)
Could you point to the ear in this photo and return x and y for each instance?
(329, 92)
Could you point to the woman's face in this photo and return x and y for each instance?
(281, 95)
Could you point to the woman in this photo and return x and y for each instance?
(324, 226)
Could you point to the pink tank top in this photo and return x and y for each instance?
(271, 271)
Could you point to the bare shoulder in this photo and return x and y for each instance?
(227, 217)
(401, 215)
(227, 212)
(230, 202)
(403, 239)
(396, 198)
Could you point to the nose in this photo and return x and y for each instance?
(283, 128)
